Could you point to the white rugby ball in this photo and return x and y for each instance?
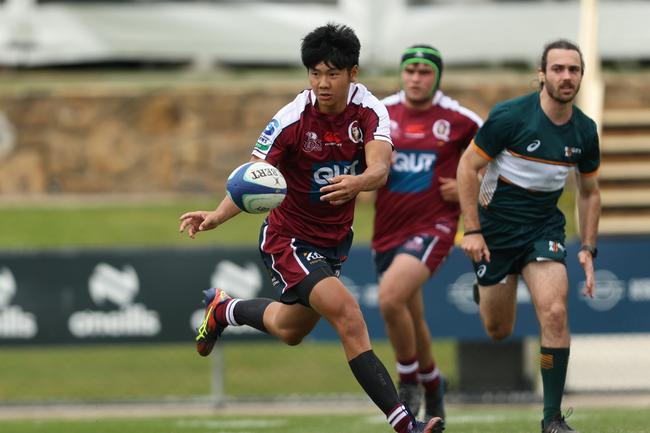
(256, 187)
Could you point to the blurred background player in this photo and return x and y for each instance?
(528, 145)
(417, 215)
(331, 143)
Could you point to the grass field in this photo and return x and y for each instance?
(164, 371)
(472, 420)
(150, 222)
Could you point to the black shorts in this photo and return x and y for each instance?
(296, 266)
(518, 245)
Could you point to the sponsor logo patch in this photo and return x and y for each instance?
(312, 143)
(572, 151)
(332, 139)
(355, 133)
(533, 146)
(442, 129)
(267, 137)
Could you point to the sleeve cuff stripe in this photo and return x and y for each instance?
(481, 151)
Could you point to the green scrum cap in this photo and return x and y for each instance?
(424, 54)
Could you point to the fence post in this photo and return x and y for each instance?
(217, 395)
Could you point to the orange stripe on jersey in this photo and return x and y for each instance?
(545, 161)
(481, 151)
(590, 174)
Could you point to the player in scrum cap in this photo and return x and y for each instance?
(417, 215)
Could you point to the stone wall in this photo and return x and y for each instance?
(172, 139)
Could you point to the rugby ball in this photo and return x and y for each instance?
(256, 187)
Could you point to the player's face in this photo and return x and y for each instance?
(563, 75)
(331, 86)
(418, 80)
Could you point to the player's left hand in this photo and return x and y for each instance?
(341, 189)
(587, 262)
(197, 221)
(448, 188)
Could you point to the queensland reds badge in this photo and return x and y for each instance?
(354, 132)
(442, 129)
(312, 142)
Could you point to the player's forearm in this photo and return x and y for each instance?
(468, 190)
(378, 157)
(226, 210)
(374, 176)
(589, 215)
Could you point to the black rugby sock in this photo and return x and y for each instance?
(250, 312)
(375, 380)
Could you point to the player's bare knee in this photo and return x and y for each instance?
(350, 322)
(555, 319)
(293, 338)
(390, 305)
(498, 331)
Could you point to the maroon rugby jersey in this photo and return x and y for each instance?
(310, 147)
(428, 145)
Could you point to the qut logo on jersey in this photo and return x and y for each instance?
(413, 162)
(324, 171)
(411, 171)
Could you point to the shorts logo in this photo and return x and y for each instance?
(481, 271)
(415, 244)
(313, 256)
(555, 247)
(442, 129)
(355, 133)
(312, 143)
(533, 146)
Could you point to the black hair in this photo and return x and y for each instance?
(562, 44)
(335, 44)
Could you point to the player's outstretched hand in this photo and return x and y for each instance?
(587, 262)
(475, 248)
(341, 189)
(197, 221)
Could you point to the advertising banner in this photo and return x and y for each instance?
(134, 295)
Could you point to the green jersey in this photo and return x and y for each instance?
(530, 158)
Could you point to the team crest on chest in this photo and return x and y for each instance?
(312, 143)
(355, 133)
(441, 129)
(572, 151)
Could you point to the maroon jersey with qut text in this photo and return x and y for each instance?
(428, 145)
(310, 147)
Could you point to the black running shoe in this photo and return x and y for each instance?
(434, 425)
(558, 424)
(434, 401)
(411, 394)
